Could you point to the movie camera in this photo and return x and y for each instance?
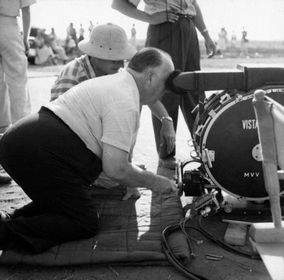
(225, 135)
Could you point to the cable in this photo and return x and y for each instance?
(182, 226)
(172, 258)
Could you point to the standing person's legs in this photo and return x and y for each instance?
(178, 39)
(14, 63)
(5, 119)
(191, 62)
(55, 169)
(163, 36)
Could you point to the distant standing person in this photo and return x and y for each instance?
(244, 43)
(233, 44)
(91, 26)
(222, 40)
(133, 35)
(14, 95)
(81, 33)
(69, 45)
(233, 40)
(56, 47)
(71, 31)
(171, 28)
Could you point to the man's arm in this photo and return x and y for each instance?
(26, 19)
(67, 79)
(117, 167)
(167, 131)
(200, 25)
(130, 10)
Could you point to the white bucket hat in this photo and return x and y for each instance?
(108, 41)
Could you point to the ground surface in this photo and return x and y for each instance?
(40, 81)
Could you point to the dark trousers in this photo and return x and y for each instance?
(55, 169)
(180, 40)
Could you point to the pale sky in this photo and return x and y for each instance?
(263, 19)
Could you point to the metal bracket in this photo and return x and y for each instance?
(208, 156)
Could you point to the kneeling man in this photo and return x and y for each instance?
(54, 155)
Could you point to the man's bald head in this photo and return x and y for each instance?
(148, 57)
(150, 68)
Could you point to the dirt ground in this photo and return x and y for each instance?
(40, 81)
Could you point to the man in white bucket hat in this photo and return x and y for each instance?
(104, 53)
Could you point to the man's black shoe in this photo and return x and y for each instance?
(5, 179)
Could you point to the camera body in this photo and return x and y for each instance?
(225, 136)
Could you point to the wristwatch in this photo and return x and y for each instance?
(168, 118)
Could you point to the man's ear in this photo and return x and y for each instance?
(149, 76)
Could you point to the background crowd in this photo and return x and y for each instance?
(229, 45)
(46, 48)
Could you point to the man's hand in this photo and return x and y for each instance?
(131, 192)
(161, 17)
(168, 187)
(164, 185)
(210, 47)
(27, 46)
(168, 135)
(128, 9)
(116, 166)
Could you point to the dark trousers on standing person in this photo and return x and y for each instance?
(55, 169)
(180, 40)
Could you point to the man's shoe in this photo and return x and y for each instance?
(169, 163)
(4, 215)
(5, 179)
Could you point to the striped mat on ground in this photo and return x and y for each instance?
(130, 231)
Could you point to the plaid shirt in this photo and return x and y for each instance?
(75, 72)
